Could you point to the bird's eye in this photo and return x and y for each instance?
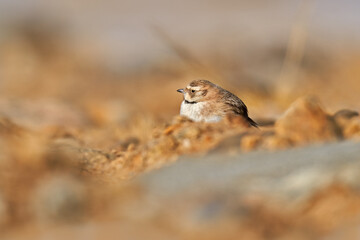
(193, 91)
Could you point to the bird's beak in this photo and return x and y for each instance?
(180, 90)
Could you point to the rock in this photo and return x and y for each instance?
(230, 144)
(250, 142)
(277, 142)
(352, 128)
(349, 121)
(59, 198)
(306, 122)
(284, 172)
(63, 154)
(274, 194)
(245, 141)
(337, 200)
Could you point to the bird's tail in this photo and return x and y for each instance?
(252, 122)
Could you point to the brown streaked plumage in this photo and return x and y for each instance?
(208, 102)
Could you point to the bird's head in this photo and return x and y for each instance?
(198, 91)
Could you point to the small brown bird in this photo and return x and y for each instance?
(208, 102)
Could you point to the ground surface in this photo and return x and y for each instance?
(87, 152)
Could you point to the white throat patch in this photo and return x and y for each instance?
(193, 111)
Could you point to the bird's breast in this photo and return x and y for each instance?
(198, 112)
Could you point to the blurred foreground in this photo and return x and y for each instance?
(55, 185)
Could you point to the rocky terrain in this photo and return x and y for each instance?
(293, 178)
(91, 148)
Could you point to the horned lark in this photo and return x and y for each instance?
(208, 102)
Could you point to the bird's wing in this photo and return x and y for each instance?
(236, 105)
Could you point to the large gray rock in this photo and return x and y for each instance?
(260, 195)
(294, 172)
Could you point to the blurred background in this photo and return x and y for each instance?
(100, 77)
(136, 53)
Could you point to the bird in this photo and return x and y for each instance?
(205, 101)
